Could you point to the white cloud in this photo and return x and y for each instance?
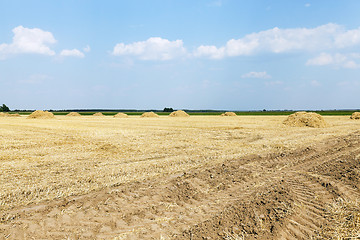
(276, 40)
(322, 38)
(348, 38)
(154, 48)
(28, 40)
(245, 46)
(262, 75)
(321, 60)
(87, 48)
(307, 5)
(210, 52)
(337, 60)
(72, 53)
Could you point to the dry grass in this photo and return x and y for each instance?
(51, 158)
(346, 220)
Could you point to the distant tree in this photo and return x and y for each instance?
(264, 110)
(168, 110)
(4, 108)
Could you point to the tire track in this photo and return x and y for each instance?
(310, 214)
(311, 197)
(284, 196)
(315, 191)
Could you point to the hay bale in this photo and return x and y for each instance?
(229, 114)
(41, 114)
(305, 119)
(12, 115)
(98, 114)
(179, 113)
(73, 114)
(2, 114)
(355, 115)
(121, 115)
(149, 114)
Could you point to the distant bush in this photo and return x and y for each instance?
(4, 108)
(168, 110)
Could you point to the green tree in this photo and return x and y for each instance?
(4, 108)
(168, 110)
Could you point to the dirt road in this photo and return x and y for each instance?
(297, 195)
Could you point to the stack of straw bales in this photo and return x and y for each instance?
(149, 114)
(41, 115)
(9, 114)
(121, 115)
(229, 114)
(355, 115)
(305, 119)
(179, 113)
(73, 114)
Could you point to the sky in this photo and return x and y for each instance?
(204, 54)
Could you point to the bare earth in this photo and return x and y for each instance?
(166, 178)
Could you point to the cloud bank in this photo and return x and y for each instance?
(312, 40)
(276, 40)
(319, 40)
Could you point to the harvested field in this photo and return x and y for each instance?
(193, 178)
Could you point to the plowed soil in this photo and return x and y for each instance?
(289, 195)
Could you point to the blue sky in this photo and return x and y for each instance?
(205, 54)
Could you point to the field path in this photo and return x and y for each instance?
(285, 196)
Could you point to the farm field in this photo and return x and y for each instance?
(202, 177)
(204, 112)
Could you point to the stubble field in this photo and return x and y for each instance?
(202, 177)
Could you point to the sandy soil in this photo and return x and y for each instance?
(310, 190)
